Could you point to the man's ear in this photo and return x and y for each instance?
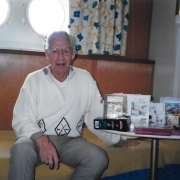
(47, 54)
(73, 54)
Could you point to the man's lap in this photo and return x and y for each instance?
(71, 150)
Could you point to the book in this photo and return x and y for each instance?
(153, 130)
(175, 132)
(119, 124)
(156, 114)
(138, 108)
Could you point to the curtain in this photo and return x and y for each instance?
(99, 26)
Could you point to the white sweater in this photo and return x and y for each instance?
(41, 107)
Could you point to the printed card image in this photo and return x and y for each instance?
(138, 108)
(171, 113)
(156, 114)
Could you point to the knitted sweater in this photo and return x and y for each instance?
(42, 109)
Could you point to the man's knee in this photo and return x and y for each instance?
(23, 148)
(102, 158)
(23, 160)
(99, 157)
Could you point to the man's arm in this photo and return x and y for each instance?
(130, 142)
(94, 110)
(24, 120)
(24, 124)
(126, 143)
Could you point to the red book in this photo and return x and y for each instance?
(154, 130)
(175, 132)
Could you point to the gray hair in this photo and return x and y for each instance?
(70, 38)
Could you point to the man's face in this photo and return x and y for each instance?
(60, 56)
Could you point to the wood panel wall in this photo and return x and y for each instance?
(130, 74)
(113, 74)
(117, 74)
(139, 29)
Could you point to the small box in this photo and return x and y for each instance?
(119, 124)
(114, 105)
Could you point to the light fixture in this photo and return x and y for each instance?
(177, 13)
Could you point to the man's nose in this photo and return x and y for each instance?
(61, 54)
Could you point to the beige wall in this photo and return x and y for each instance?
(165, 49)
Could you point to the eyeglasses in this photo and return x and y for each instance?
(64, 51)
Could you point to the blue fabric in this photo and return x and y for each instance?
(169, 172)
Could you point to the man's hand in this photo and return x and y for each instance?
(130, 143)
(47, 152)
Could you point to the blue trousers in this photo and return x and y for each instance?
(89, 160)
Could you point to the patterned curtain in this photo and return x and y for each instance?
(99, 26)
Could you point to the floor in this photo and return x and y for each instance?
(169, 172)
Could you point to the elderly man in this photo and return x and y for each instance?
(48, 117)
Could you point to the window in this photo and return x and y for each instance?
(45, 16)
(4, 12)
(24, 24)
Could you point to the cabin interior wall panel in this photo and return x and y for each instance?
(139, 29)
(84, 64)
(124, 77)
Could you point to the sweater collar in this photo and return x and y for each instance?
(46, 71)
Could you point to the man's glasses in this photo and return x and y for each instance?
(64, 51)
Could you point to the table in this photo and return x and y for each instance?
(154, 148)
